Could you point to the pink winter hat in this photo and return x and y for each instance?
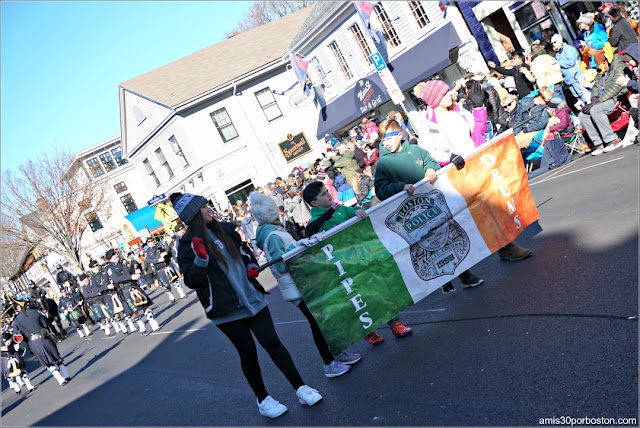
(433, 92)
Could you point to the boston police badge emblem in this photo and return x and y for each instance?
(437, 243)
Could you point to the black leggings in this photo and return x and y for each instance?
(239, 333)
(318, 337)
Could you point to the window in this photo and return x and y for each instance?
(178, 151)
(94, 167)
(164, 162)
(107, 161)
(240, 192)
(138, 115)
(362, 42)
(128, 203)
(320, 72)
(418, 13)
(387, 26)
(341, 61)
(534, 20)
(268, 104)
(117, 154)
(151, 172)
(94, 222)
(224, 125)
(120, 187)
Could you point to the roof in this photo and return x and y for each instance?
(320, 12)
(195, 74)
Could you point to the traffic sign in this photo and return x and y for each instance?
(156, 199)
(378, 61)
(163, 213)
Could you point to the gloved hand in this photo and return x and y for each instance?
(594, 100)
(476, 95)
(253, 273)
(198, 248)
(587, 108)
(457, 160)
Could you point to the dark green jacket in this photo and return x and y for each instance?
(347, 165)
(611, 89)
(406, 166)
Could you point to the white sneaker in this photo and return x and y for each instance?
(598, 150)
(271, 408)
(612, 146)
(308, 395)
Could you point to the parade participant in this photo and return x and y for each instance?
(133, 298)
(70, 304)
(13, 367)
(170, 258)
(326, 214)
(33, 328)
(155, 256)
(93, 287)
(49, 309)
(35, 293)
(221, 268)
(111, 297)
(275, 241)
(65, 279)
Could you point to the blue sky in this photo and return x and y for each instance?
(61, 63)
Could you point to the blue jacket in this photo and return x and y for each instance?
(569, 61)
(597, 38)
(346, 195)
(526, 109)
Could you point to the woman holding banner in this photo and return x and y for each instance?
(222, 269)
(455, 136)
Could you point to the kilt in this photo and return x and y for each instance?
(5, 363)
(114, 302)
(136, 299)
(163, 279)
(76, 318)
(45, 351)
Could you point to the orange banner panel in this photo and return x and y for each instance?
(495, 185)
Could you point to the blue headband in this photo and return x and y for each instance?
(391, 134)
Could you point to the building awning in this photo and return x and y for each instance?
(144, 218)
(419, 62)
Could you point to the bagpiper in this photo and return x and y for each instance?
(32, 325)
(71, 305)
(92, 288)
(13, 367)
(172, 245)
(112, 298)
(155, 256)
(135, 301)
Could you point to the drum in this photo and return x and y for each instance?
(76, 317)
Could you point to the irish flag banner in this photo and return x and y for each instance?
(365, 272)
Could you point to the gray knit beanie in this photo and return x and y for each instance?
(188, 206)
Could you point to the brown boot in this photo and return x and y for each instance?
(513, 252)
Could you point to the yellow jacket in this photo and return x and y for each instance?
(546, 71)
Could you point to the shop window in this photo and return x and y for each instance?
(94, 167)
(320, 72)
(163, 162)
(117, 154)
(346, 71)
(107, 161)
(224, 125)
(120, 187)
(178, 151)
(534, 20)
(361, 42)
(268, 103)
(93, 221)
(387, 27)
(128, 203)
(151, 172)
(240, 192)
(418, 13)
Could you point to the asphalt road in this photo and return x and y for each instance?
(554, 335)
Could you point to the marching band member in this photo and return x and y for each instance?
(179, 230)
(32, 326)
(112, 299)
(155, 255)
(13, 367)
(70, 304)
(93, 287)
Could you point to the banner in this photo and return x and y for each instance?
(363, 273)
(364, 9)
(300, 68)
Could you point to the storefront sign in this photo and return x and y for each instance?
(367, 95)
(300, 99)
(294, 147)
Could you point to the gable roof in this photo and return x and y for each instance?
(320, 12)
(195, 74)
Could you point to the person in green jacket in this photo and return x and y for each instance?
(400, 165)
(345, 162)
(326, 214)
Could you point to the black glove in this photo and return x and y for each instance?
(457, 160)
(594, 100)
(476, 95)
(587, 108)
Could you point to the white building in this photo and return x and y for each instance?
(209, 123)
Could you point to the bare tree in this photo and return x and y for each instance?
(261, 12)
(48, 203)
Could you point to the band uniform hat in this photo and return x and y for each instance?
(83, 276)
(92, 263)
(187, 206)
(59, 266)
(110, 253)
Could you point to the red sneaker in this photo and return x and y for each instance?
(399, 330)
(374, 338)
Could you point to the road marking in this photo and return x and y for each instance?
(577, 170)
(177, 331)
(407, 312)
